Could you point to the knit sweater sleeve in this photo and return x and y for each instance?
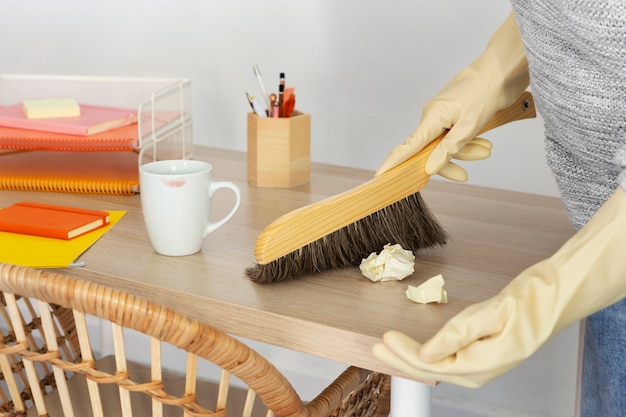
(621, 161)
(600, 26)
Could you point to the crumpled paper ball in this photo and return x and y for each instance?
(431, 291)
(392, 263)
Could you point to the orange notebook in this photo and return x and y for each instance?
(92, 120)
(45, 252)
(74, 172)
(121, 139)
(47, 220)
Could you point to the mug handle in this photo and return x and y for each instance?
(213, 187)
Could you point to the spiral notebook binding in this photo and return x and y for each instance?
(72, 172)
(68, 186)
(121, 139)
(61, 145)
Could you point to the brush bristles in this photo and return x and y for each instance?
(407, 222)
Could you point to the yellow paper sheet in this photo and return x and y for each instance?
(45, 252)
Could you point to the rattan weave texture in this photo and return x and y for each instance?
(45, 342)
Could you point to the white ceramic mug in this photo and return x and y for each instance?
(176, 201)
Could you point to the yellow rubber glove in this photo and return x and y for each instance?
(492, 82)
(474, 150)
(585, 275)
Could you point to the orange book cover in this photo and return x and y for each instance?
(48, 220)
(76, 172)
(45, 252)
(92, 120)
(121, 139)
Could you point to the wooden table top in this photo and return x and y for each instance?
(338, 315)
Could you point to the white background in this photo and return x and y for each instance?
(363, 69)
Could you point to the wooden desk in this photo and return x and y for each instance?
(336, 315)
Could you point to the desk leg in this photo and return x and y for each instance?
(409, 398)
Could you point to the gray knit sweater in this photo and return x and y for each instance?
(577, 59)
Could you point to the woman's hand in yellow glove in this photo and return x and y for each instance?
(492, 82)
(487, 339)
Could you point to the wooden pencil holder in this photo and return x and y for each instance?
(279, 150)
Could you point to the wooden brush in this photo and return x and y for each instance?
(342, 230)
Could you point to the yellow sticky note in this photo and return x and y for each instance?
(49, 108)
(45, 252)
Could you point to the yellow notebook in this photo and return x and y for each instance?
(45, 252)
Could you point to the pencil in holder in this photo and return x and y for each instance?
(279, 150)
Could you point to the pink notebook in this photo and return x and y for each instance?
(92, 120)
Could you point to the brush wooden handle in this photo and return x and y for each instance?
(300, 227)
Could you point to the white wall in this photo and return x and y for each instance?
(362, 69)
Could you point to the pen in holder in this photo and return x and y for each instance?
(279, 150)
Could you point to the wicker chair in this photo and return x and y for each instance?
(49, 367)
